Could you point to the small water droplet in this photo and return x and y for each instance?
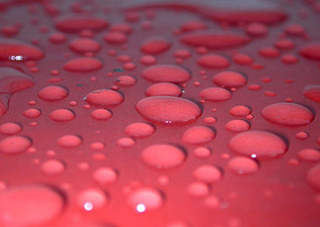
(125, 80)
(229, 79)
(198, 135)
(198, 189)
(62, 115)
(104, 97)
(208, 173)
(10, 128)
(126, 142)
(164, 89)
(84, 64)
(32, 113)
(213, 61)
(155, 45)
(105, 175)
(145, 199)
(115, 37)
(312, 92)
(257, 29)
(215, 94)
(84, 45)
(139, 130)
(101, 114)
(69, 141)
(243, 165)
(53, 93)
(242, 59)
(309, 155)
(52, 167)
(240, 111)
(237, 126)
(92, 199)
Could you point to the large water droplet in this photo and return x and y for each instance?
(167, 109)
(215, 94)
(85, 64)
(155, 45)
(311, 51)
(76, 23)
(198, 135)
(15, 144)
(258, 144)
(312, 92)
(213, 61)
(10, 128)
(166, 73)
(163, 156)
(229, 79)
(287, 114)
(104, 97)
(313, 176)
(145, 199)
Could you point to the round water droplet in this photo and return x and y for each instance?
(105, 175)
(208, 173)
(312, 92)
(76, 23)
(125, 80)
(84, 45)
(104, 97)
(257, 29)
(92, 199)
(202, 152)
(258, 144)
(164, 89)
(311, 51)
(198, 189)
(126, 142)
(139, 130)
(101, 114)
(242, 59)
(198, 135)
(287, 114)
(309, 155)
(53, 93)
(148, 60)
(295, 30)
(115, 37)
(215, 94)
(62, 115)
(240, 111)
(30, 205)
(155, 45)
(52, 167)
(15, 144)
(163, 156)
(69, 141)
(85, 64)
(167, 109)
(166, 73)
(313, 176)
(229, 79)
(237, 126)
(10, 128)
(32, 113)
(145, 199)
(213, 61)
(243, 165)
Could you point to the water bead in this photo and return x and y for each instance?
(237, 125)
(139, 130)
(243, 165)
(155, 45)
(69, 141)
(309, 155)
(52, 167)
(215, 94)
(105, 175)
(145, 199)
(62, 115)
(198, 135)
(213, 61)
(10, 128)
(83, 64)
(208, 173)
(15, 144)
(104, 97)
(164, 89)
(229, 79)
(53, 93)
(101, 114)
(92, 199)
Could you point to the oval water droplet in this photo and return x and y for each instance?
(104, 97)
(243, 165)
(62, 115)
(155, 45)
(163, 156)
(309, 155)
(139, 130)
(125, 80)
(145, 199)
(202, 152)
(229, 79)
(105, 175)
(53, 93)
(240, 111)
(313, 176)
(193, 25)
(15, 144)
(213, 61)
(258, 144)
(287, 114)
(84, 64)
(312, 92)
(164, 89)
(257, 29)
(76, 23)
(215, 94)
(32, 113)
(237, 126)
(69, 141)
(167, 109)
(198, 189)
(101, 114)
(208, 173)
(84, 45)
(115, 37)
(10, 128)
(52, 167)
(92, 199)
(13, 80)
(198, 135)
(166, 73)
(311, 51)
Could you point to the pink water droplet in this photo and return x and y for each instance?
(202, 152)
(311, 51)
(126, 142)
(52, 167)
(214, 40)
(289, 59)
(121, 27)
(30, 205)
(257, 29)
(258, 144)
(193, 25)
(229, 79)
(32, 113)
(237, 126)
(312, 92)
(163, 156)
(101, 114)
(92, 199)
(208, 173)
(164, 89)
(240, 111)
(145, 199)
(313, 176)
(242, 59)
(125, 80)
(53, 93)
(177, 224)
(15, 144)
(182, 53)
(62, 115)
(105, 175)
(166, 73)
(213, 61)
(198, 189)
(167, 109)
(57, 38)
(198, 135)
(13, 80)
(10, 128)
(148, 60)
(285, 44)
(295, 30)
(104, 97)
(9, 30)
(76, 23)
(155, 45)
(215, 94)
(69, 141)
(270, 52)
(84, 64)
(243, 165)
(84, 45)
(287, 114)
(139, 130)
(16, 50)
(309, 155)
(115, 37)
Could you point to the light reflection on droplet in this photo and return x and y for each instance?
(88, 206)
(141, 208)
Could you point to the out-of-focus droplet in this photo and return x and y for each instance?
(270, 52)
(208, 173)
(105, 175)
(84, 45)
(15, 144)
(76, 23)
(104, 97)
(312, 92)
(115, 37)
(198, 189)
(126, 142)
(198, 135)
(57, 38)
(92, 199)
(313, 176)
(213, 61)
(193, 25)
(243, 165)
(155, 45)
(164, 89)
(69, 141)
(202, 152)
(257, 29)
(311, 51)
(84, 64)
(242, 59)
(145, 199)
(52, 167)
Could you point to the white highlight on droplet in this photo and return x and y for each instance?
(141, 208)
(88, 206)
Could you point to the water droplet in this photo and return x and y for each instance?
(121, 27)
(215, 94)
(237, 126)
(285, 44)
(105, 175)
(287, 114)
(166, 73)
(167, 109)
(76, 23)
(208, 173)
(125, 80)
(53, 93)
(101, 114)
(84, 45)
(62, 115)
(242, 59)
(32, 113)
(126, 142)
(214, 40)
(229, 79)
(182, 53)
(202, 152)
(258, 144)
(302, 135)
(84, 64)
(15, 144)
(257, 29)
(312, 92)
(164, 89)
(193, 25)
(240, 111)
(69, 141)
(309, 155)
(30, 205)
(313, 176)
(145, 199)
(18, 51)
(289, 59)
(115, 37)
(148, 60)
(52, 167)
(213, 61)
(163, 156)
(311, 51)
(104, 97)
(139, 130)
(13, 80)
(92, 199)
(198, 189)
(155, 45)
(270, 52)
(57, 38)
(198, 135)
(10, 128)
(243, 165)
(295, 30)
